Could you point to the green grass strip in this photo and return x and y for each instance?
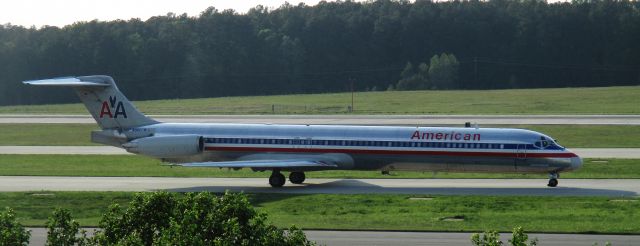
(571, 136)
(129, 166)
(601, 100)
(379, 212)
(47, 134)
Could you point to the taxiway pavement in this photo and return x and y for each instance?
(357, 238)
(410, 120)
(498, 187)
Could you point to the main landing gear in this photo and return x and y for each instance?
(278, 180)
(296, 177)
(553, 179)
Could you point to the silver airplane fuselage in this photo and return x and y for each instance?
(381, 147)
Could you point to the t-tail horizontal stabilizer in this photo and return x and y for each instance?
(100, 95)
(66, 81)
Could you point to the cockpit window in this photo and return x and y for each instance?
(543, 143)
(547, 143)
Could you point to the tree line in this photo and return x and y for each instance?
(329, 46)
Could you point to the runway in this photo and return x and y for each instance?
(356, 238)
(497, 187)
(412, 120)
(621, 153)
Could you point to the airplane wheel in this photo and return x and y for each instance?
(276, 179)
(553, 183)
(296, 177)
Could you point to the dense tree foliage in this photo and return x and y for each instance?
(62, 230)
(162, 218)
(440, 73)
(12, 232)
(303, 49)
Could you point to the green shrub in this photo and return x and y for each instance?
(63, 230)
(162, 218)
(12, 232)
(492, 238)
(519, 238)
(488, 238)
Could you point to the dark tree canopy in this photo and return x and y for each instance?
(303, 49)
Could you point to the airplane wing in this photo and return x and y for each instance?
(267, 164)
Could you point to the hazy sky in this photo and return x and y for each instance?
(64, 12)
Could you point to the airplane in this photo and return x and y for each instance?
(303, 148)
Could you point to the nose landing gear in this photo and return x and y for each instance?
(553, 179)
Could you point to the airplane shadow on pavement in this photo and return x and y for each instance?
(349, 186)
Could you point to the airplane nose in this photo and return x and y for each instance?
(576, 162)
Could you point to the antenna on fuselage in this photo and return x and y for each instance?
(468, 125)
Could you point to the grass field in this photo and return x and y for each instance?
(602, 100)
(47, 134)
(571, 136)
(130, 166)
(379, 212)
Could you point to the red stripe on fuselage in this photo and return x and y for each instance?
(392, 152)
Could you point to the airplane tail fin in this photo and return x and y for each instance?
(100, 95)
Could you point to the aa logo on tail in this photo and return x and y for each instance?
(113, 104)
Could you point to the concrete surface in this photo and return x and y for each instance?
(503, 187)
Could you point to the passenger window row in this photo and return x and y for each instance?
(360, 143)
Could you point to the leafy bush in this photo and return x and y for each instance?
(63, 230)
(489, 238)
(492, 238)
(12, 232)
(162, 218)
(519, 238)
(146, 217)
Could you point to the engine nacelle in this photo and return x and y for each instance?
(166, 146)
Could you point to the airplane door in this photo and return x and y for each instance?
(521, 156)
(302, 143)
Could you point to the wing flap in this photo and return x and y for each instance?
(262, 164)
